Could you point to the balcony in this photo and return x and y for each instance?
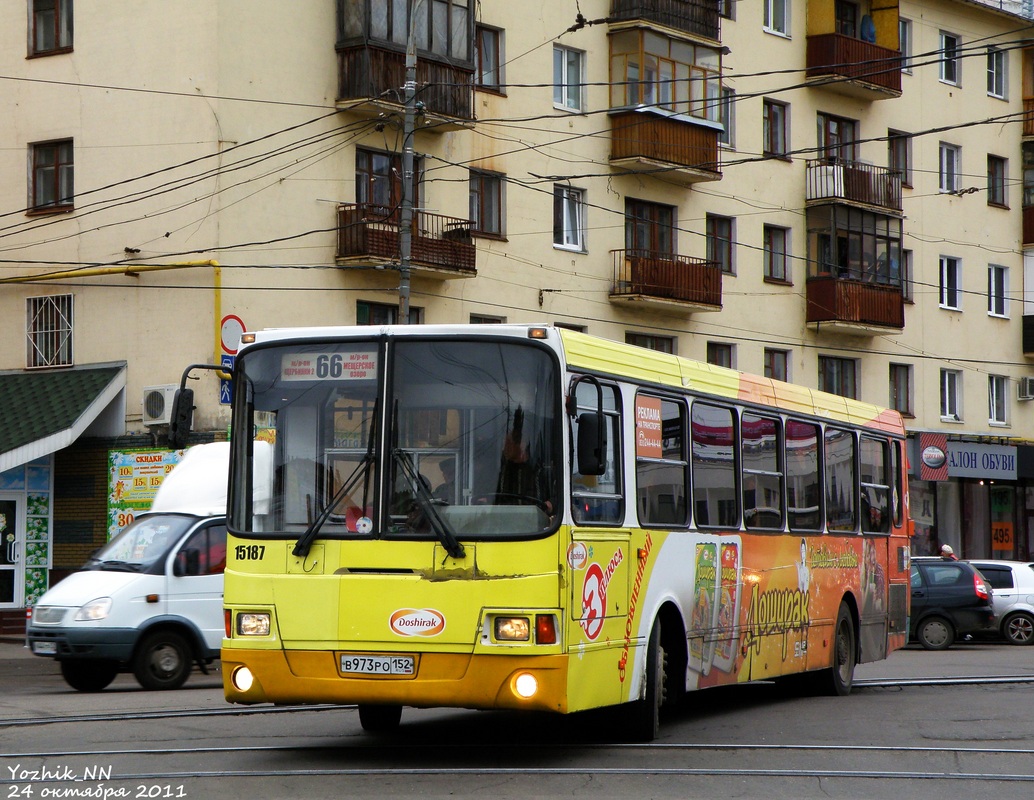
(696, 17)
(665, 146)
(1028, 116)
(441, 247)
(666, 281)
(370, 81)
(854, 307)
(1028, 335)
(853, 182)
(1028, 226)
(847, 65)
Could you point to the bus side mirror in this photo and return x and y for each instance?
(592, 444)
(182, 416)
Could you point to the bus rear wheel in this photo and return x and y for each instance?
(839, 678)
(379, 719)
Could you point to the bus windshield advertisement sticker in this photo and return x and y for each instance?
(344, 366)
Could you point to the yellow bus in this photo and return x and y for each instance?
(527, 517)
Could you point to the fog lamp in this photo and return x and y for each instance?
(512, 629)
(242, 679)
(253, 623)
(525, 685)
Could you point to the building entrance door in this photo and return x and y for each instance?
(12, 550)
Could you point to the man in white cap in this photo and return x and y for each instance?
(948, 553)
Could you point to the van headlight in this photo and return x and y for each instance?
(94, 610)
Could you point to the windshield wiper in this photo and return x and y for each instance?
(362, 470)
(119, 566)
(427, 505)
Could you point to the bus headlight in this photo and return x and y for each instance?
(512, 629)
(253, 623)
(95, 609)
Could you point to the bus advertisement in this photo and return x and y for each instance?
(526, 517)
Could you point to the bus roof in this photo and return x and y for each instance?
(593, 353)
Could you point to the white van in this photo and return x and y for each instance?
(151, 600)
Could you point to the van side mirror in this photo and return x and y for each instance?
(182, 416)
(592, 444)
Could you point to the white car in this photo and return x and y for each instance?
(1013, 584)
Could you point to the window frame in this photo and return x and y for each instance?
(568, 94)
(902, 390)
(569, 210)
(997, 179)
(899, 155)
(63, 27)
(721, 244)
(673, 461)
(62, 158)
(949, 167)
(775, 129)
(50, 331)
(997, 291)
(389, 312)
(837, 138)
(777, 364)
(949, 63)
(997, 73)
(950, 283)
(951, 395)
(839, 376)
(487, 199)
(721, 354)
(997, 400)
(777, 17)
(905, 44)
(498, 86)
(651, 341)
(776, 267)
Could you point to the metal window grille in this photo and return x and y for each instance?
(49, 331)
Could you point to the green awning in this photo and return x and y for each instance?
(43, 412)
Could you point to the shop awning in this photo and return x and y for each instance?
(43, 412)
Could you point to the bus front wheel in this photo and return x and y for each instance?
(640, 719)
(379, 719)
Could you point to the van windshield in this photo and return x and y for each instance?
(143, 546)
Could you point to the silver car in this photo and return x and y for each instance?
(1013, 584)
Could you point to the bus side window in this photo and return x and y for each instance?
(876, 477)
(803, 493)
(715, 493)
(662, 474)
(599, 498)
(841, 481)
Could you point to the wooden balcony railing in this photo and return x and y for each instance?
(833, 299)
(665, 276)
(372, 73)
(658, 142)
(698, 17)
(372, 232)
(839, 56)
(853, 181)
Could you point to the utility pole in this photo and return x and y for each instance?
(408, 127)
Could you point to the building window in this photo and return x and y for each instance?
(720, 354)
(51, 27)
(568, 217)
(484, 319)
(49, 329)
(777, 364)
(777, 249)
(997, 291)
(901, 389)
(678, 76)
(907, 285)
(378, 180)
(905, 44)
(838, 376)
(951, 283)
(486, 203)
(444, 27)
(488, 58)
(996, 181)
(899, 155)
(53, 169)
(997, 400)
(720, 239)
(846, 18)
(777, 16)
(951, 158)
(838, 138)
(727, 116)
(727, 9)
(662, 344)
(384, 314)
(951, 395)
(568, 68)
(649, 229)
(950, 66)
(776, 128)
(996, 72)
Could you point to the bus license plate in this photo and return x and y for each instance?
(378, 664)
(45, 648)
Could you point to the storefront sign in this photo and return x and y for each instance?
(970, 460)
(933, 456)
(1001, 536)
(133, 480)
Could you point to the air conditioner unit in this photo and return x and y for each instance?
(157, 404)
(1026, 388)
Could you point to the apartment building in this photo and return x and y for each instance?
(829, 192)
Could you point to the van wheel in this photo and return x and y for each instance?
(935, 633)
(88, 676)
(839, 678)
(162, 661)
(379, 719)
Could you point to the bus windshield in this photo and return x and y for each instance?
(399, 438)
